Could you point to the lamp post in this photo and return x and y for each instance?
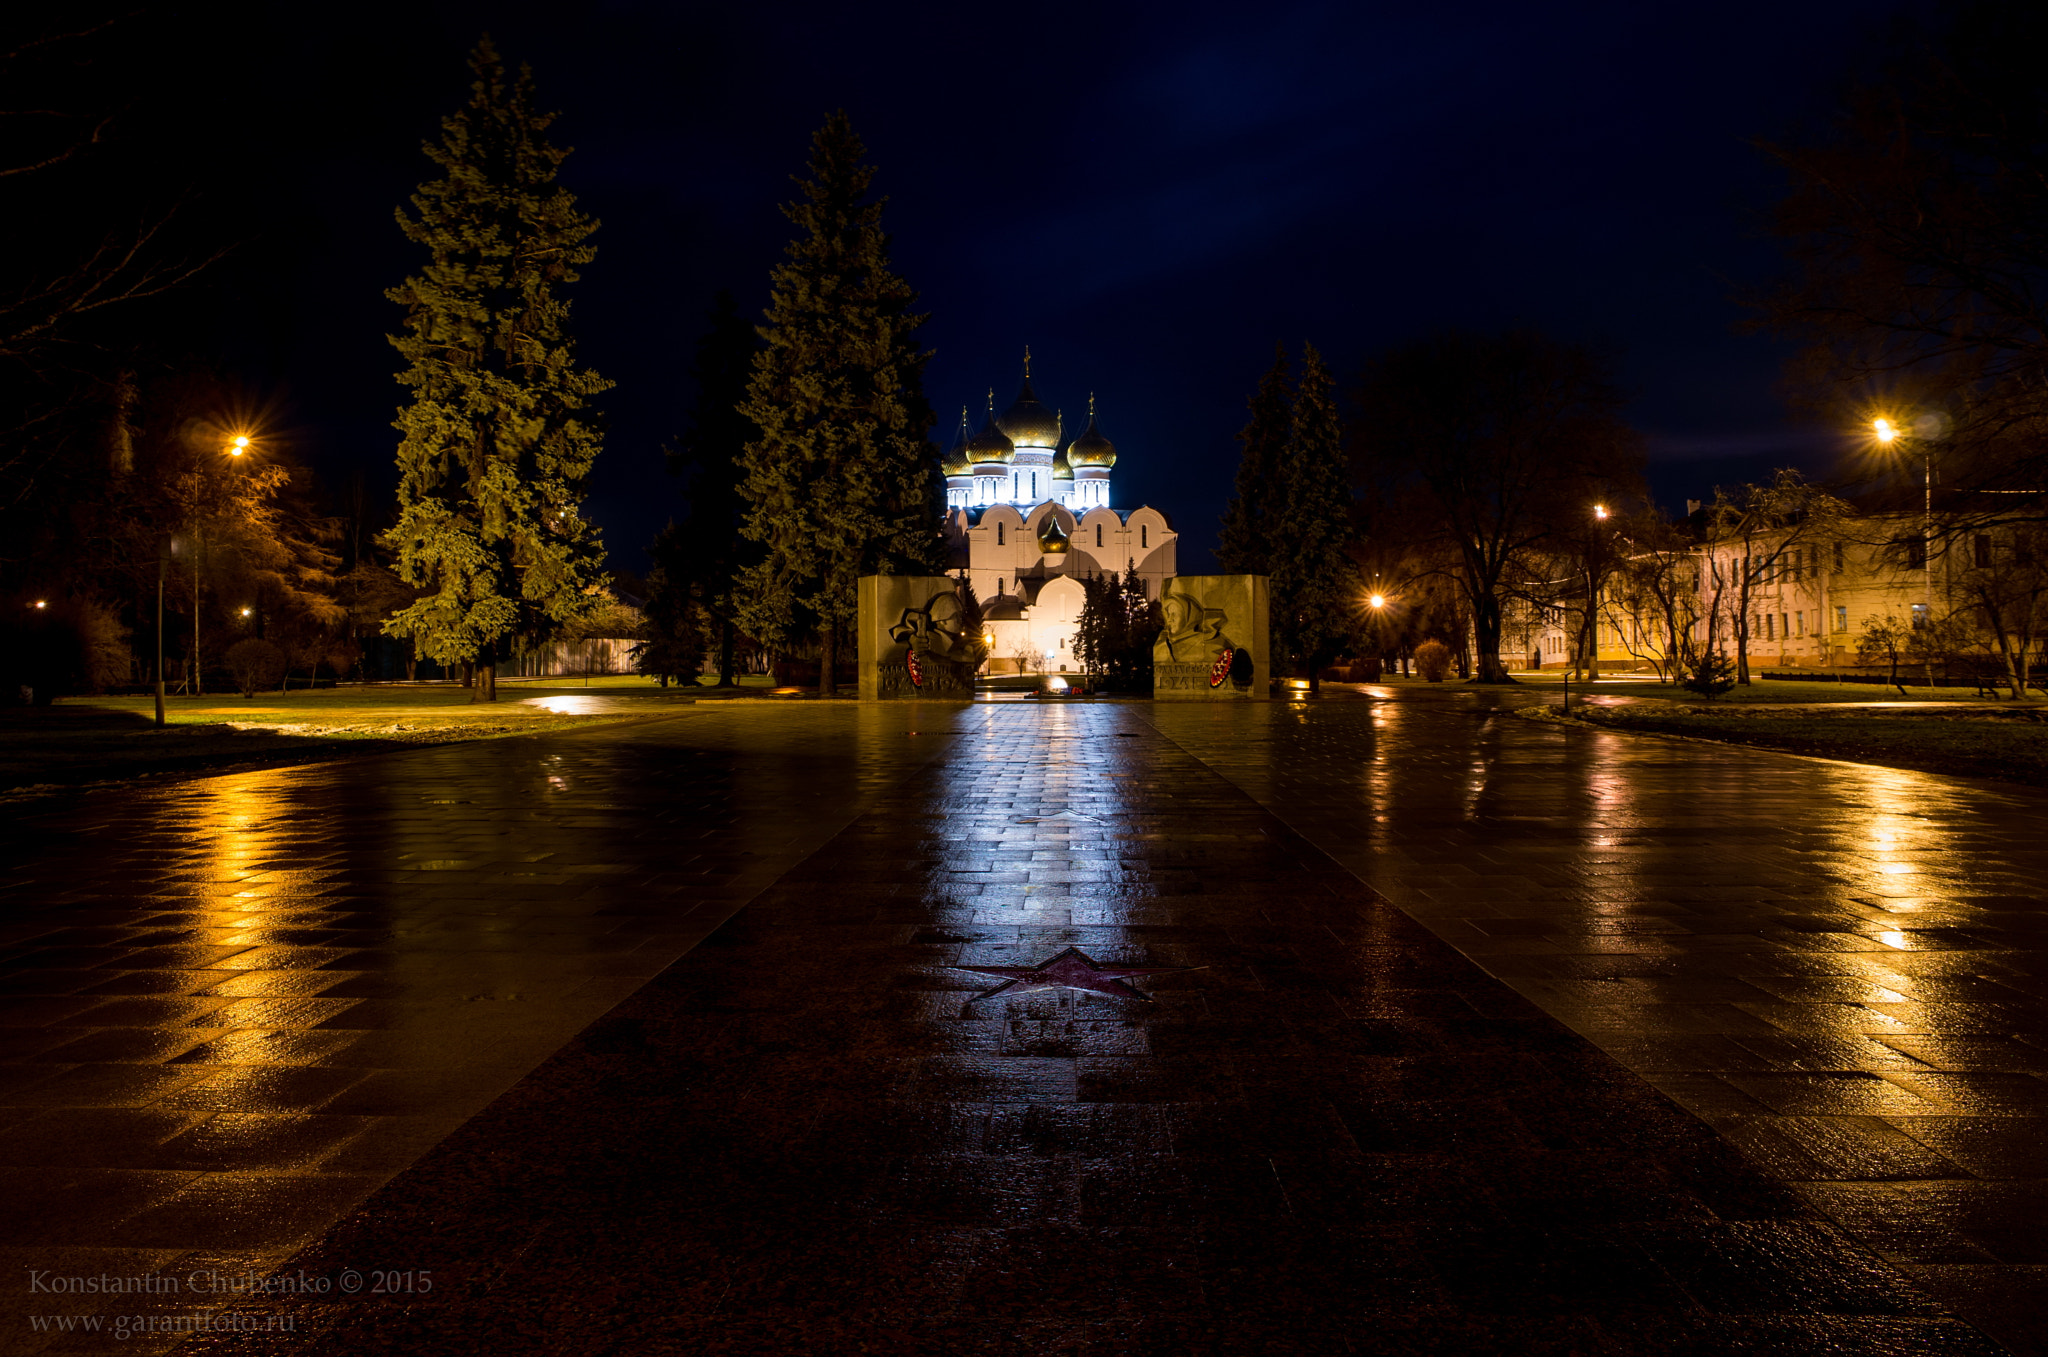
(235, 447)
(1889, 433)
(1378, 603)
(163, 556)
(1593, 598)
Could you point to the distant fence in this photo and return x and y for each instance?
(561, 659)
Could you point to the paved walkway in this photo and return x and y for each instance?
(243, 1005)
(1843, 969)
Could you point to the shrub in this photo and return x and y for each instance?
(256, 664)
(1711, 675)
(1366, 669)
(1433, 661)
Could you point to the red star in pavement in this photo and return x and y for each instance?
(1069, 970)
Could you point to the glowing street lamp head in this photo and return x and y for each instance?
(245, 612)
(1599, 511)
(238, 445)
(1885, 430)
(1378, 600)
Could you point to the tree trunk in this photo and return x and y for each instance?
(828, 658)
(1486, 640)
(725, 678)
(1592, 639)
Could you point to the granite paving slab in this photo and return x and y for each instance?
(1843, 969)
(232, 1008)
(1322, 1129)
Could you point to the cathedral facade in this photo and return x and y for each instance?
(1029, 514)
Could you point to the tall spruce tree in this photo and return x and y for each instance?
(842, 480)
(1244, 546)
(698, 562)
(1313, 577)
(501, 433)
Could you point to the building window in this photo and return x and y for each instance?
(1770, 627)
(1838, 558)
(1034, 485)
(1981, 550)
(999, 534)
(1784, 626)
(1919, 615)
(1098, 534)
(1841, 618)
(1916, 553)
(1799, 619)
(1143, 532)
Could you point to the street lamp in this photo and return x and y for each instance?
(1887, 434)
(235, 447)
(1591, 634)
(163, 557)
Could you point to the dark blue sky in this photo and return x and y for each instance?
(1149, 196)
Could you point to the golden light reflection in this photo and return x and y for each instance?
(570, 704)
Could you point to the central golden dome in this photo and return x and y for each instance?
(1028, 423)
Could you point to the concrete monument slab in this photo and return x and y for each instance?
(916, 639)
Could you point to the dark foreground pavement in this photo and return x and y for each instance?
(1326, 1130)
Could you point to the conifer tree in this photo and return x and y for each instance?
(1245, 545)
(500, 435)
(1313, 584)
(842, 480)
(701, 559)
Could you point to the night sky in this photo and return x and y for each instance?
(1148, 196)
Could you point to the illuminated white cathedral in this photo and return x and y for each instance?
(1026, 518)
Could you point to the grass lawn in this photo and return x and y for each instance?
(1767, 690)
(89, 740)
(1979, 740)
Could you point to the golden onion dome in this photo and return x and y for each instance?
(1062, 469)
(1091, 449)
(955, 460)
(991, 445)
(1028, 423)
(1052, 538)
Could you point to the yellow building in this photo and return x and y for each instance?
(1808, 603)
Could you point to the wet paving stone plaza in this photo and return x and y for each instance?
(1387, 1023)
